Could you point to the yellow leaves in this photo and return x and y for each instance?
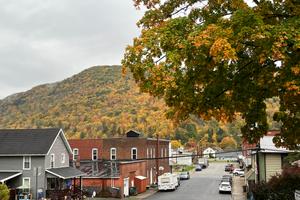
(175, 144)
(222, 50)
(296, 70)
(215, 39)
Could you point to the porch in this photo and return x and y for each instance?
(64, 183)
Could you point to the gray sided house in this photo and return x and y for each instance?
(35, 162)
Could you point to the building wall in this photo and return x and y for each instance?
(16, 163)
(85, 147)
(123, 147)
(273, 165)
(130, 170)
(262, 166)
(57, 149)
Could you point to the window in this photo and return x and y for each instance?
(26, 162)
(26, 184)
(151, 153)
(162, 152)
(147, 153)
(63, 158)
(94, 154)
(52, 160)
(134, 153)
(75, 154)
(166, 152)
(154, 153)
(113, 153)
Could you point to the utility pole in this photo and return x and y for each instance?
(157, 157)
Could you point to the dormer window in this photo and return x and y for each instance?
(134, 153)
(94, 154)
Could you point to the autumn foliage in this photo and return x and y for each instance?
(218, 58)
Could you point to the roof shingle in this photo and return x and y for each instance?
(26, 141)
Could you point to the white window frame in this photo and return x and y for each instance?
(24, 163)
(154, 155)
(147, 152)
(28, 178)
(75, 149)
(166, 152)
(136, 153)
(151, 156)
(52, 156)
(115, 154)
(63, 158)
(161, 152)
(95, 149)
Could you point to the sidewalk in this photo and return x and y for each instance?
(144, 195)
(237, 190)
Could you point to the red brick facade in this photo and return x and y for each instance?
(146, 149)
(85, 147)
(144, 164)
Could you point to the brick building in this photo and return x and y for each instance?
(118, 162)
(134, 147)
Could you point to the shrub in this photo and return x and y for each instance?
(4, 192)
(279, 187)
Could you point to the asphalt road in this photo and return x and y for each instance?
(202, 185)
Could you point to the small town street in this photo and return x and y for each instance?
(202, 185)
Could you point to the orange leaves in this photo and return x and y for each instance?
(292, 86)
(216, 39)
(296, 70)
(222, 50)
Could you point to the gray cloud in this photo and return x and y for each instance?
(49, 40)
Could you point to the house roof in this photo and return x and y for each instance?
(267, 145)
(5, 176)
(28, 141)
(65, 172)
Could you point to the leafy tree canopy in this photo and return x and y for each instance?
(220, 58)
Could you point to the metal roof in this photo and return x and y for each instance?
(5, 176)
(65, 172)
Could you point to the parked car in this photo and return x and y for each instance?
(198, 168)
(226, 178)
(237, 171)
(203, 162)
(184, 175)
(229, 168)
(224, 187)
(241, 173)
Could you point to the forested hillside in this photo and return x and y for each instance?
(101, 102)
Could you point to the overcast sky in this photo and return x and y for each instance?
(44, 41)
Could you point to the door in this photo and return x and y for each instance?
(126, 187)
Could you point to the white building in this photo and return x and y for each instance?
(209, 152)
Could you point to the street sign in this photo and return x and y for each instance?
(297, 194)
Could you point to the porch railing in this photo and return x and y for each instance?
(74, 194)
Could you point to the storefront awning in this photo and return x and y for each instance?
(5, 176)
(65, 172)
